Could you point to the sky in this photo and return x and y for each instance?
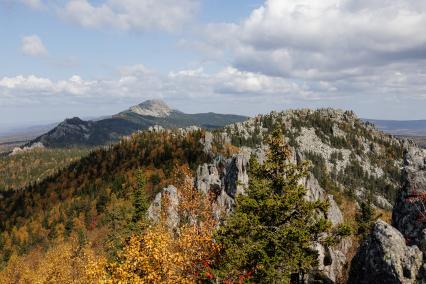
(65, 58)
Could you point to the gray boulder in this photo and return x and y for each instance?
(385, 258)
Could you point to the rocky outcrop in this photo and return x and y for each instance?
(155, 209)
(18, 150)
(348, 148)
(330, 265)
(385, 258)
(156, 128)
(331, 259)
(224, 179)
(409, 211)
(154, 108)
(396, 254)
(236, 176)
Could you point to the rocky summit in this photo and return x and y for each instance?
(155, 108)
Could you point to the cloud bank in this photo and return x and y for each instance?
(375, 47)
(139, 82)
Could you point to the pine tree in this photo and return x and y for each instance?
(271, 233)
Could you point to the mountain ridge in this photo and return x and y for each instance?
(77, 132)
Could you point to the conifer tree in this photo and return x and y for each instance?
(140, 200)
(271, 234)
(365, 218)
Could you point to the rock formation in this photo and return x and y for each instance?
(396, 254)
(154, 210)
(409, 211)
(385, 258)
(224, 179)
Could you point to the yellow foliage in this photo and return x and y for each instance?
(65, 262)
(163, 256)
(159, 255)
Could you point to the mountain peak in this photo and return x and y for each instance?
(156, 108)
(74, 121)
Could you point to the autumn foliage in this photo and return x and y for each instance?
(171, 255)
(64, 262)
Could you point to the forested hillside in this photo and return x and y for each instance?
(93, 194)
(20, 170)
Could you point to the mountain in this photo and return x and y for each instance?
(78, 132)
(91, 200)
(401, 127)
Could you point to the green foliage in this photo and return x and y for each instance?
(319, 170)
(365, 219)
(272, 229)
(140, 200)
(355, 177)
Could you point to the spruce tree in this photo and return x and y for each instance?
(140, 200)
(271, 233)
(365, 218)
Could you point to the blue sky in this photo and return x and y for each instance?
(97, 52)
(88, 58)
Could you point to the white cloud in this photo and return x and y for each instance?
(33, 86)
(228, 90)
(33, 46)
(35, 4)
(140, 15)
(228, 83)
(327, 39)
(29, 83)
